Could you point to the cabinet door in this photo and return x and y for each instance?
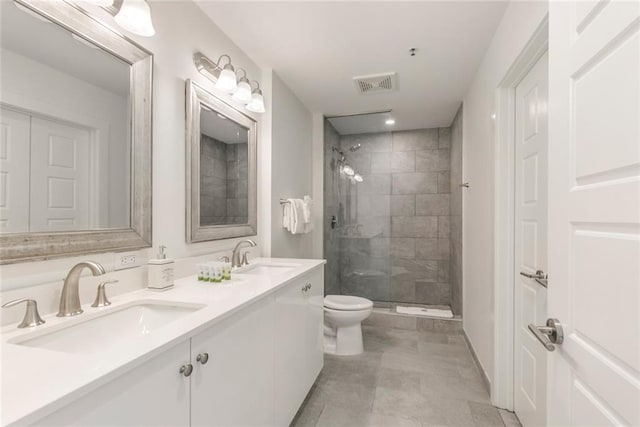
(315, 325)
(235, 386)
(153, 394)
(291, 338)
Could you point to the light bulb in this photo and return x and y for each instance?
(257, 102)
(358, 178)
(243, 92)
(348, 170)
(227, 80)
(135, 16)
(390, 122)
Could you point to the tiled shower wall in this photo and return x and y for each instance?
(456, 213)
(223, 175)
(393, 241)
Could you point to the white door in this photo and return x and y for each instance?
(14, 171)
(531, 142)
(594, 212)
(60, 161)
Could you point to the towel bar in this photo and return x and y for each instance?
(284, 201)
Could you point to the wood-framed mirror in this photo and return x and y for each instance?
(75, 140)
(221, 168)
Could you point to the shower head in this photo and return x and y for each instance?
(355, 147)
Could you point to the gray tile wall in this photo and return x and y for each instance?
(224, 178)
(456, 213)
(213, 181)
(394, 240)
(420, 222)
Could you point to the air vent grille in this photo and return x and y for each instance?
(375, 83)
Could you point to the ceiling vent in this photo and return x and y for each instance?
(376, 83)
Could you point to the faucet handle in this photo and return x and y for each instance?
(245, 259)
(224, 258)
(31, 316)
(101, 297)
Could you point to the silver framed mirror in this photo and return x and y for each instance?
(76, 134)
(221, 168)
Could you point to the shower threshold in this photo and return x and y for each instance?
(386, 314)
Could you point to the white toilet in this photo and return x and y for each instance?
(343, 315)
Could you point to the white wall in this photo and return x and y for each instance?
(291, 165)
(181, 30)
(516, 28)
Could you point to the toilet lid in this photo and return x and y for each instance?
(347, 302)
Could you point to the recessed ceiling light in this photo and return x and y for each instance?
(390, 122)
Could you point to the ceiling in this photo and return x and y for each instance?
(54, 46)
(318, 47)
(221, 128)
(361, 123)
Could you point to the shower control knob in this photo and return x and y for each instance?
(334, 222)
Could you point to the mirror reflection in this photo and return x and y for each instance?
(223, 170)
(65, 129)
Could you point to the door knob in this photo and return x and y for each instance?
(548, 335)
(203, 358)
(540, 276)
(186, 370)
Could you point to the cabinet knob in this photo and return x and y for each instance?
(203, 358)
(186, 370)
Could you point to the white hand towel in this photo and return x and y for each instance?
(307, 212)
(297, 208)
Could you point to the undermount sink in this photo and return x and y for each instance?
(104, 330)
(261, 269)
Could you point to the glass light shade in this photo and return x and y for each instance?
(243, 93)
(390, 122)
(348, 170)
(135, 16)
(257, 103)
(102, 3)
(358, 178)
(227, 80)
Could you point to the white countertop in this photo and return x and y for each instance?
(36, 382)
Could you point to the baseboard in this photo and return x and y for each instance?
(483, 373)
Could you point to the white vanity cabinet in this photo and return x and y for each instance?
(254, 367)
(298, 342)
(235, 385)
(152, 394)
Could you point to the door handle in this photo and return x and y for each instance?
(548, 335)
(540, 276)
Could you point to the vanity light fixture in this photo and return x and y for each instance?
(226, 79)
(358, 178)
(243, 91)
(135, 16)
(257, 100)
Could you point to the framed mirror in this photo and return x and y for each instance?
(75, 134)
(221, 168)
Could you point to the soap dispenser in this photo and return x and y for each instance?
(160, 272)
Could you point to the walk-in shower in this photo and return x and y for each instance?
(392, 210)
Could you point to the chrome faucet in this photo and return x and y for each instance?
(235, 255)
(70, 298)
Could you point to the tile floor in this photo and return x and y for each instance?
(404, 378)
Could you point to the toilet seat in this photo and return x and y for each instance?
(347, 303)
